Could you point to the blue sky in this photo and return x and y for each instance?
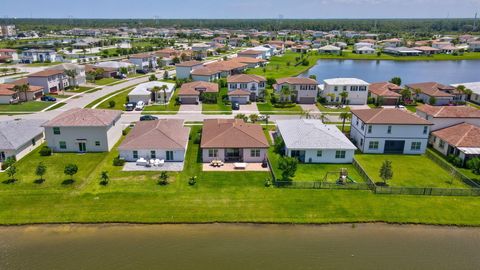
(240, 8)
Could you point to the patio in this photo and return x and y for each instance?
(230, 167)
(167, 166)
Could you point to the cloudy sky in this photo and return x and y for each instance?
(240, 8)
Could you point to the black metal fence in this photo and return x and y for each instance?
(320, 185)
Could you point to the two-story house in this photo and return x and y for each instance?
(389, 131)
(437, 93)
(144, 61)
(243, 88)
(80, 75)
(356, 91)
(447, 116)
(184, 69)
(52, 81)
(304, 90)
(37, 55)
(8, 55)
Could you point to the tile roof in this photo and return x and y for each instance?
(461, 135)
(245, 78)
(228, 65)
(248, 60)
(449, 111)
(250, 52)
(432, 88)
(84, 118)
(205, 71)
(297, 80)
(169, 134)
(5, 88)
(239, 92)
(189, 64)
(232, 133)
(312, 134)
(389, 116)
(15, 133)
(46, 73)
(385, 89)
(194, 88)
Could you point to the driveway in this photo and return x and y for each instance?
(248, 109)
(190, 108)
(358, 107)
(312, 108)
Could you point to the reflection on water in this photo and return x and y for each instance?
(220, 246)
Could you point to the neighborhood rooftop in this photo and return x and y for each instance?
(84, 117)
(389, 116)
(232, 133)
(345, 81)
(450, 111)
(15, 133)
(461, 135)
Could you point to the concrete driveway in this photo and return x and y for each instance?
(248, 109)
(192, 108)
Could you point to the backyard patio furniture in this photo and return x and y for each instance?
(159, 163)
(240, 165)
(141, 162)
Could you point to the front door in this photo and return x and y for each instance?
(394, 147)
(169, 155)
(82, 147)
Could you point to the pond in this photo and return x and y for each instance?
(446, 72)
(239, 246)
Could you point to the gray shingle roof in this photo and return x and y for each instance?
(312, 134)
(15, 133)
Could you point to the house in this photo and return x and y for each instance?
(233, 140)
(402, 51)
(475, 87)
(84, 130)
(365, 50)
(426, 50)
(358, 45)
(356, 89)
(251, 54)
(330, 49)
(145, 92)
(217, 70)
(304, 90)
(441, 44)
(205, 74)
(200, 51)
(8, 55)
(144, 61)
(300, 48)
(80, 77)
(19, 137)
(165, 139)
(52, 81)
(250, 62)
(393, 42)
(113, 68)
(389, 131)
(432, 91)
(474, 46)
(311, 141)
(190, 93)
(9, 96)
(461, 140)
(167, 53)
(184, 69)
(447, 116)
(37, 55)
(387, 92)
(243, 88)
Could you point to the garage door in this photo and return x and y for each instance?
(188, 100)
(240, 100)
(306, 100)
(394, 147)
(390, 101)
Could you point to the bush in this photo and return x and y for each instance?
(8, 162)
(118, 161)
(45, 151)
(268, 182)
(111, 103)
(192, 180)
(456, 161)
(198, 138)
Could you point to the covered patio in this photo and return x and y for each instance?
(235, 167)
(167, 167)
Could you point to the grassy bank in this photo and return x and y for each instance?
(383, 56)
(285, 65)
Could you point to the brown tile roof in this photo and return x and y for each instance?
(245, 78)
(142, 55)
(432, 89)
(385, 89)
(189, 63)
(7, 50)
(461, 135)
(10, 86)
(228, 65)
(248, 60)
(250, 52)
(205, 71)
(296, 80)
(194, 88)
(389, 116)
(84, 118)
(239, 92)
(426, 49)
(232, 133)
(450, 111)
(167, 134)
(46, 73)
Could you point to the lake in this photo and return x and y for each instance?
(234, 246)
(446, 72)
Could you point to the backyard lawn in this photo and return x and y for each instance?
(220, 106)
(285, 66)
(409, 171)
(171, 108)
(30, 106)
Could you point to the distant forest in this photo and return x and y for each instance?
(372, 25)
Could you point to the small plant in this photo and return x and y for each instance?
(45, 151)
(40, 171)
(152, 78)
(11, 171)
(70, 170)
(111, 103)
(288, 166)
(163, 178)
(268, 182)
(117, 161)
(386, 171)
(104, 178)
(8, 162)
(192, 180)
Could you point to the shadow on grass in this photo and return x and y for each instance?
(68, 182)
(39, 181)
(103, 183)
(9, 181)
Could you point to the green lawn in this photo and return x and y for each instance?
(284, 66)
(106, 81)
(268, 108)
(30, 106)
(322, 108)
(171, 108)
(44, 64)
(409, 171)
(58, 105)
(120, 100)
(80, 89)
(219, 106)
(217, 197)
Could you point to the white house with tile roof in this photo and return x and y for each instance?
(19, 137)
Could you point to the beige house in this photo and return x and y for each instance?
(189, 93)
(9, 96)
(462, 140)
(244, 88)
(388, 92)
(304, 90)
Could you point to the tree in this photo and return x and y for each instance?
(396, 80)
(331, 96)
(41, 170)
(462, 89)
(72, 74)
(163, 178)
(70, 170)
(22, 88)
(278, 145)
(386, 172)
(474, 165)
(123, 70)
(344, 96)
(111, 103)
(154, 91)
(288, 166)
(165, 75)
(432, 100)
(105, 178)
(313, 76)
(345, 116)
(253, 117)
(285, 93)
(417, 92)
(241, 116)
(11, 171)
(406, 95)
(164, 88)
(152, 78)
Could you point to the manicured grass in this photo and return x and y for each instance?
(58, 105)
(285, 65)
(268, 108)
(217, 197)
(43, 64)
(172, 106)
(412, 108)
(81, 89)
(30, 106)
(220, 105)
(120, 100)
(106, 81)
(323, 108)
(409, 171)
(473, 105)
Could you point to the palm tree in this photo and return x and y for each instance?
(345, 116)
(462, 89)
(344, 96)
(417, 92)
(154, 91)
(22, 88)
(285, 93)
(164, 88)
(72, 74)
(331, 96)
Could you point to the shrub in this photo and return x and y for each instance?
(118, 161)
(45, 151)
(111, 103)
(268, 182)
(163, 178)
(474, 165)
(198, 138)
(192, 180)
(8, 162)
(288, 166)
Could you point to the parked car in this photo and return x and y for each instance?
(120, 76)
(142, 71)
(262, 117)
(140, 105)
(148, 118)
(130, 106)
(48, 98)
(235, 106)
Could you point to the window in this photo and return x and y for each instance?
(344, 88)
(56, 130)
(212, 153)
(169, 155)
(335, 88)
(441, 144)
(425, 130)
(135, 154)
(34, 142)
(389, 129)
(362, 88)
(373, 145)
(416, 146)
(243, 86)
(63, 145)
(319, 153)
(255, 152)
(361, 141)
(153, 154)
(97, 143)
(233, 86)
(354, 88)
(340, 154)
(363, 126)
(369, 129)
